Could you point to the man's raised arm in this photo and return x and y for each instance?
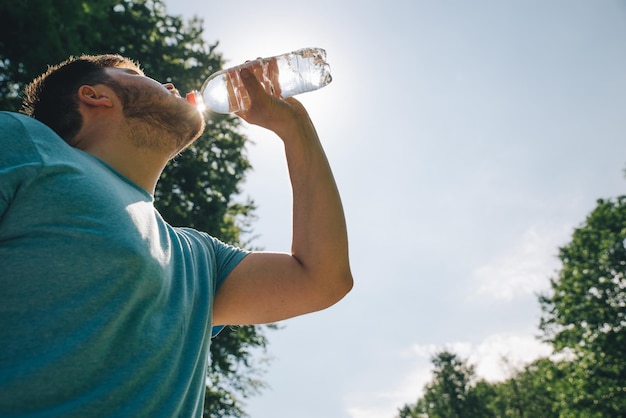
(268, 287)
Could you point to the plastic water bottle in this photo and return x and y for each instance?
(282, 76)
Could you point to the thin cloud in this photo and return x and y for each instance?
(495, 358)
(523, 270)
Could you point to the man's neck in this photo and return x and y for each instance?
(140, 167)
(140, 163)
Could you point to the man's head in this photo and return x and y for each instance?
(51, 98)
(157, 114)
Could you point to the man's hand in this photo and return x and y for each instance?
(267, 111)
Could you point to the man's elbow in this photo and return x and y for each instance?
(341, 284)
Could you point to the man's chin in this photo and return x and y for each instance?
(196, 125)
(201, 124)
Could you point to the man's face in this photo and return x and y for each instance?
(157, 108)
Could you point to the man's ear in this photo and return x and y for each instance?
(94, 96)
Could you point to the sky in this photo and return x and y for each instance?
(468, 140)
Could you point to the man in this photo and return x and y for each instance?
(105, 309)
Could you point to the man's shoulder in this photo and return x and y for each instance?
(22, 134)
(14, 118)
(8, 115)
(16, 125)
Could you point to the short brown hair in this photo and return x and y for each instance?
(52, 97)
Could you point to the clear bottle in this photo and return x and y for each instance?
(282, 76)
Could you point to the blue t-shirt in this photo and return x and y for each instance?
(105, 309)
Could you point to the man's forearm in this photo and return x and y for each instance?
(320, 241)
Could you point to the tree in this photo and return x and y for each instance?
(540, 389)
(533, 391)
(199, 188)
(585, 314)
(449, 394)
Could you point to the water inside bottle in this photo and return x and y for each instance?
(216, 93)
(303, 71)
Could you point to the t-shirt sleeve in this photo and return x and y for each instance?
(227, 257)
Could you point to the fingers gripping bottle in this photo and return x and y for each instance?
(282, 76)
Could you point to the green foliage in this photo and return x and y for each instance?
(200, 188)
(232, 371)
(37, 33)
(586, 311)
(531, 392)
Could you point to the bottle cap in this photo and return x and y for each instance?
(192, 97)
(195, 98)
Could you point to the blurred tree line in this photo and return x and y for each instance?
(583, 318)
(201, 187)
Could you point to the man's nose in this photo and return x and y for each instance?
(171, 88)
